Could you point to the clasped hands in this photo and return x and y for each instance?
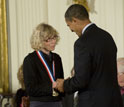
(58, 85)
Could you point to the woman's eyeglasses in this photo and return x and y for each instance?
(50, 39)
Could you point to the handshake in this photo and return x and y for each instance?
(58, 85)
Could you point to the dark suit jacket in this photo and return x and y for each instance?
(95, 70)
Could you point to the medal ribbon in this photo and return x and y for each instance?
(51, 76)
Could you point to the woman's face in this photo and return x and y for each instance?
(49, 44)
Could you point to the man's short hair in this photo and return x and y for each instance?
(76, 11)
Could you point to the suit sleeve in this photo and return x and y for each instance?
(82, 66)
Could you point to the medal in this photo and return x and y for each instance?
(55, 93)
(51, 76)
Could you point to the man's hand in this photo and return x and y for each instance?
(59, 85)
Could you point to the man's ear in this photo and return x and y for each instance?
(74, 20)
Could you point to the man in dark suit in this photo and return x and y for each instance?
(94, 63)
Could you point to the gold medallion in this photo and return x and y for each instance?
(55, 93)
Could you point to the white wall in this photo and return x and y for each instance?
(24, 15)
(110, 16)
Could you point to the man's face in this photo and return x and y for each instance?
(73, 26)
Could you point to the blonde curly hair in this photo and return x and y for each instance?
(20, 77)
(41, 33)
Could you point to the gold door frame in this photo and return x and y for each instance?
(4, 74)
(82, 2)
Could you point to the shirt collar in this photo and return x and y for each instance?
(86, 27)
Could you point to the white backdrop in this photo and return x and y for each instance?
(24, 15)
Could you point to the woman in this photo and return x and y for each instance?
(42, 67)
